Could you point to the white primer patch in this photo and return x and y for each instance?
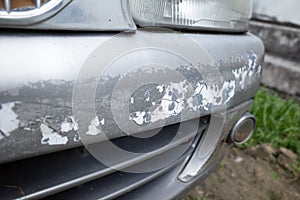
(241, 74)
(173, 101)
(68, 125)
(93, 127)
(102, 122)
(138, 117)
(211, 95)
(51, 137)
(247, 72)
(175, 94)
(160, 88)
(8, 118)
(132, 100)
(176, 99)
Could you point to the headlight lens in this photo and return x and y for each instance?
(226, 15)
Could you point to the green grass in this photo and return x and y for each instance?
(274, 175)
(278, 121)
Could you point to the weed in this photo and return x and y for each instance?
(278, 121)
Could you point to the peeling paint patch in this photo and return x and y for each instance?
(241, 75)
(140, 117)
(160, 88)
(132, 100)
(102, 122)
(68, 125)
(179, 96)
(207, 96)
(173, 101)
(51, 137)
(247, 72)
(8, 118)
(93, 127)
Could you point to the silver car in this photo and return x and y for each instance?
(122, 99)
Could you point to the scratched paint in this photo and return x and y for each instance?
(8, 118)
(51, 137)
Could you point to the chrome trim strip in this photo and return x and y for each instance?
(213, 142)
(7, 5)
(246, 116)
(38, 3)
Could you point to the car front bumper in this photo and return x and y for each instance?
(39, 72)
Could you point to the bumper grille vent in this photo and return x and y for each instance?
(73, 172)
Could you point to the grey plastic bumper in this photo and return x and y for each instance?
(39, 70)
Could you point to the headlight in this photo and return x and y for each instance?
(224, 15)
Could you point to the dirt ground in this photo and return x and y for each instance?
(253, 173)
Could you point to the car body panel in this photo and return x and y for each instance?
(36, 89)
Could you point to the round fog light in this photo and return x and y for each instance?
(243, 129)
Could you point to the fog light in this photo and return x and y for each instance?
(243, 129)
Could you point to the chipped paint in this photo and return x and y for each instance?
(160, 88)
(69, 124)
(8, 118)
(93, 127)
(51, 137)
(176, 98)
(173, 101)
(102, 122)
(245, 73)
(132, 100)
(138, 117)
(207, 96)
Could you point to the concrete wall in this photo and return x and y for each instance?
(281, 69)
(285, 11)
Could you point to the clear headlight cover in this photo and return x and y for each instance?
(224, 15)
